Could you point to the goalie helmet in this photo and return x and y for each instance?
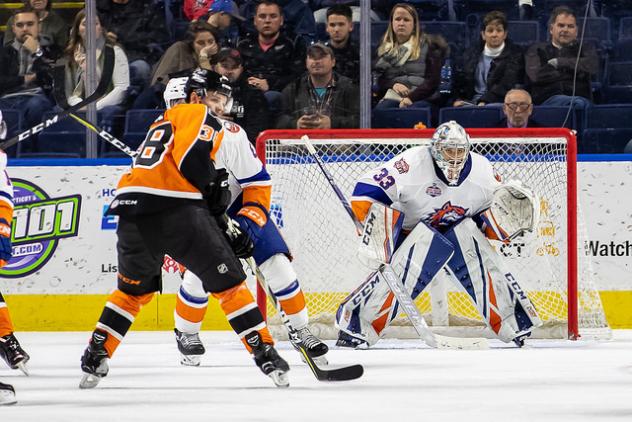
(450, 148)
(174, 92)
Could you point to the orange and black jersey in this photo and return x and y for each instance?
(174, 164)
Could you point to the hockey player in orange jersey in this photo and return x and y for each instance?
(171, 202)
(250, 187)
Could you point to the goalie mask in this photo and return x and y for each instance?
(450, 148)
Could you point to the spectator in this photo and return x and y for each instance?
(111, 103)
(250, 108)
(551, 66)
(270, 58)
(490, 68)
(220, 16)
(517, 109)
(299, 24)
(196, 50)
(346, 51)
(141, 29)
(321, 99)
(195, 9)
(51, 25)
(409, 62)
(25, 78)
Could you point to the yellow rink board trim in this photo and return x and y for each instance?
(81, 312)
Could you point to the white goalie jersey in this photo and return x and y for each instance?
(412, 184)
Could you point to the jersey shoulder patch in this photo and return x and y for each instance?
(231, 127)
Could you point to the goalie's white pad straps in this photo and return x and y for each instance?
(493, 288)
(382, 227)
(371, 307)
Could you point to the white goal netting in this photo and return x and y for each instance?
(323, 239)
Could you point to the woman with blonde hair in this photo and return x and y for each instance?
(75, 72)
(409, 61)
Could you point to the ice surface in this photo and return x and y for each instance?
(550, 380)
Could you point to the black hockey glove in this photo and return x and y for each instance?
(218, 195)
(239, 241)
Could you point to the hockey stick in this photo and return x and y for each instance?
(101, 89)
(345, 373)
(395, 284)
(107, 136)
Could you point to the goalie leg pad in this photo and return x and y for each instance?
(479, 270)
(416, 262)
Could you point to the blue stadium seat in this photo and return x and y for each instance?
(548, 116)
(598, 29)
(455, 33)
(604, 141)
(136, 124)
(524, 33)
(625, 28)
(622, 49)
(64, 139)
(609, 116)
(377, 31)
(619, 82)
(469, 117)
(401, 117)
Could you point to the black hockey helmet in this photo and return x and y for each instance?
(203, 80)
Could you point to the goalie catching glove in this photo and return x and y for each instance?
(516, 208)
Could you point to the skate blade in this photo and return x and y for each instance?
(190, 360)
(22, 367)
(280, 378)
(7, 398)
(319, 360)
(89, 381)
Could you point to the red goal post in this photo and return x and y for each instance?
(305, 209)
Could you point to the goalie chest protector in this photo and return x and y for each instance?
(415, 186)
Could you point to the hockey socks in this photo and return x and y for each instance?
(118, 315)
(6, 326)
(243, 314)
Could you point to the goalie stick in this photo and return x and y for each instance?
(395, 284)
(101, 89)
(346, 373)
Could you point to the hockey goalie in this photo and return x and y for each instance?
(436, 208)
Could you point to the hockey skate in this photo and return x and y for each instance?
(346, 340)
(313, 345)
(94, 362)
(268, 360)
(13, 354)
(7, 394)
(190, 347)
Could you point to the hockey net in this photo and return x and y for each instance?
(551, 264)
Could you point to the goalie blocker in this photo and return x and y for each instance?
(463, 250)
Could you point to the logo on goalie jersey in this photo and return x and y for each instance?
(39, 222)
(402, 166)
(446, 216)
(433, 190)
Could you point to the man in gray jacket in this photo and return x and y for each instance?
(320, 99)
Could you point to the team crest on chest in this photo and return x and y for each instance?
(433, 190)
(447, 215)
(402, 166)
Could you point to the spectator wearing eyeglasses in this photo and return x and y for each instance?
(517, 108)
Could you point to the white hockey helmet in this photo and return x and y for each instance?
(175, 92)
(450, 148)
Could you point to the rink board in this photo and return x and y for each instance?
(64, 261)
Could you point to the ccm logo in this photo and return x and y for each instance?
(366, 291)
(368, 229)
(516, 287)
